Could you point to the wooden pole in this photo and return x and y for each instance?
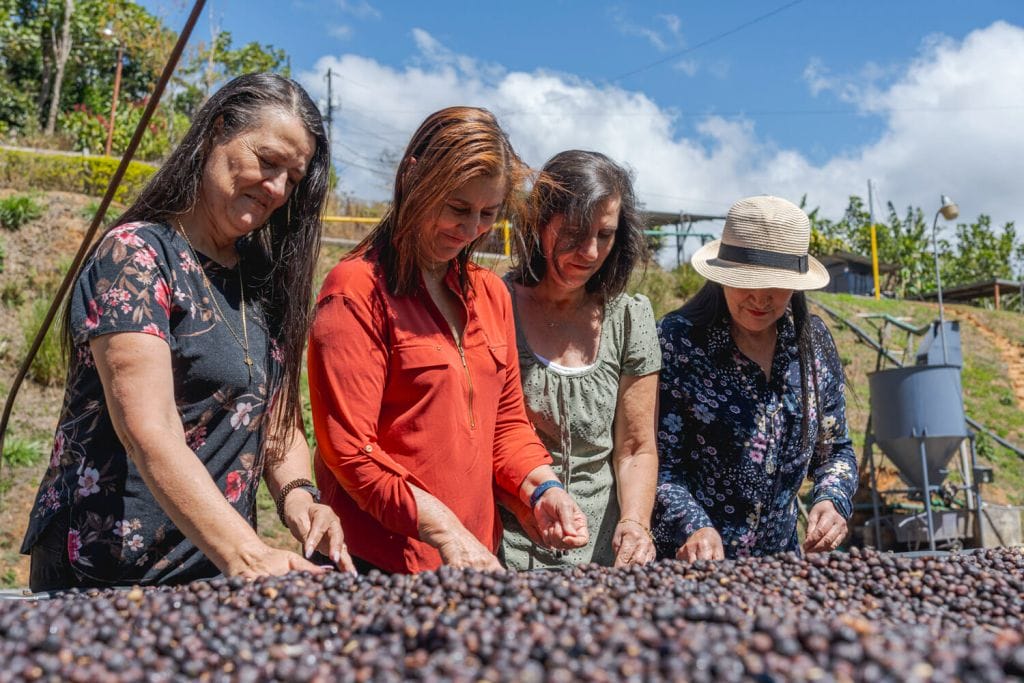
(113, 100)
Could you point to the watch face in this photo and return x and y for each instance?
(313, 491)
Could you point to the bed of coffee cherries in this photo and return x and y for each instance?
(858, 616)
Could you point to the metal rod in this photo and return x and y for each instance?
(938, 288)
(927, 495)
(97, 220)
(967, 474)
(875, 502)
(977, 493)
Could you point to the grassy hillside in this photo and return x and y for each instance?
(992, 346)
(33, 258)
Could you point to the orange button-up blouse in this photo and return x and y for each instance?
(396, 400)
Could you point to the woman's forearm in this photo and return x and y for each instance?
(435, 522)
(138, 386)
(635, 458)
(293, 463)
(535, 478)
(636, 477)
(186, 492)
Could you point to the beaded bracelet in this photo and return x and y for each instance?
(643, 526)
(541, 488)
(288, 488)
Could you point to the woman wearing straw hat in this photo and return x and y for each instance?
(751, 399)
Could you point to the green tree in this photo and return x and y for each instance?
(213, 64)
(902, 241)
(35, 34)
(981, 253)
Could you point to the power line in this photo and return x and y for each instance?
(708, 41)
(375, 171)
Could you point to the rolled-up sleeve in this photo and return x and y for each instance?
(833, 465)
(348, 361)
(677, 514)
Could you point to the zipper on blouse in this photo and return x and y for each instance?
(469, 379)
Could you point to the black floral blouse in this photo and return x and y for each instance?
(143, 278)
(729, 439)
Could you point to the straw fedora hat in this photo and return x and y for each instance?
(764, 244)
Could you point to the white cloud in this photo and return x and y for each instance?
(340, 31)
(360, 9)
(687, 66)
(950, 125)
(664, 37)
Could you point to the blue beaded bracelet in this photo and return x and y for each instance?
(539, 491)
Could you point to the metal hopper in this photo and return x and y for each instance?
(918, 420)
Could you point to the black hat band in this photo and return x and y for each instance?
(763, 257)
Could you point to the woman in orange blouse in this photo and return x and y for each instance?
(414, 372)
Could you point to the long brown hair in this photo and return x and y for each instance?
(450, 148)
(575, 184)
(281, 256)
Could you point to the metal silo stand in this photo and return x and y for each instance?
(917, 419)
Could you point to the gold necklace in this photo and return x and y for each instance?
(243, 341)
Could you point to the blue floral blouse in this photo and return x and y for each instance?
(729, 439)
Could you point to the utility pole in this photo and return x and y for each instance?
(330, 104)
(874, 242)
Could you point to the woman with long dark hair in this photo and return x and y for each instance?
(186, 329)
(751, 399)
(414, 374)
(589, 357)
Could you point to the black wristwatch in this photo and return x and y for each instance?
(305, 485)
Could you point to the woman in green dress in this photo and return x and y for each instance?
(590, 359)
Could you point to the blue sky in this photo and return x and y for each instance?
(705, 101)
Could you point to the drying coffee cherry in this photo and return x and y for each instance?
(857, 616)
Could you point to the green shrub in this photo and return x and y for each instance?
(12, 294)
(65, 172)
(3, 255)
(89, 210)
(667, 290)
(9, 578)
(17, 210)
(49, 366)
(87, 129)
(20, 452)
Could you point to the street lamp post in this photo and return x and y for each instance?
(109, 33)
(949, 210)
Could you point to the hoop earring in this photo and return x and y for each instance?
(288, 214)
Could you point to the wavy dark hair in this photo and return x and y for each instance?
(281, 255)
(575, 184)
(450, 148)
(708, 306)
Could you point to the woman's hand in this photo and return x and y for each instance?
(461, 549)
(703, 544)
(561, 523)
(262, 560)
(522, 512)
(826, 528)
(632, 543)
(316, 527)
(440, 528)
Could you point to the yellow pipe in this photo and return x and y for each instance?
(874, 261)
(370, 220)
(506, 233)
